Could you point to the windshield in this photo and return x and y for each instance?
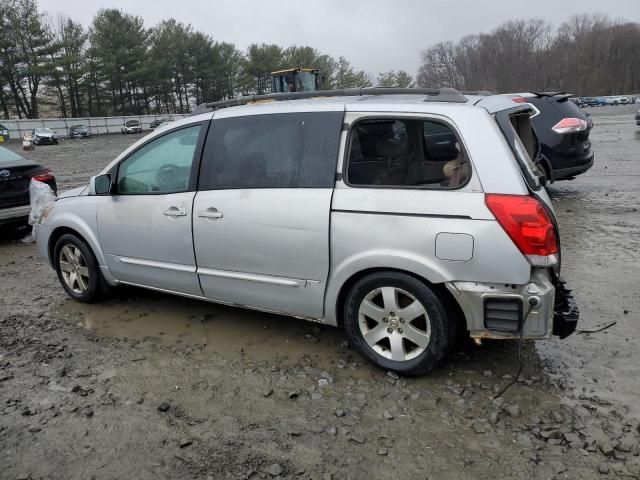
(7, 155)
(44, 130)
(132, 123)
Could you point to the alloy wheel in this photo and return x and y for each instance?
(74, 269)
(394, 323)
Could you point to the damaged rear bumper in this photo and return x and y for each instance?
(565, 311)
(538, 309)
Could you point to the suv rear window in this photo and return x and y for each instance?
(288, 150)
(406, 153)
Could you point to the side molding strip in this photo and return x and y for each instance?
(150, 263)
(254, 277)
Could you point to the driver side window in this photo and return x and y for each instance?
(161, 166)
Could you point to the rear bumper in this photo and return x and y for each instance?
(570, 172)
(535, 321)
(14, 214)
(545, 308)
(565, 311)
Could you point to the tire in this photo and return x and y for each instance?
(72, 256)
(381, 334)
(547, 174)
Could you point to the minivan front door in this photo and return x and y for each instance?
(261, 214)
(145, 225)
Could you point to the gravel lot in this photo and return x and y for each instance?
(150, 386)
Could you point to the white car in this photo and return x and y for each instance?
(131, 126)
(43, 136)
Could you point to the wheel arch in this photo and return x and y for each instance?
(77, 225)
(444, 295)
(56, 234)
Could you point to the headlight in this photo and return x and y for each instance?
(45, 213)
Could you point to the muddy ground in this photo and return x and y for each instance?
(150, 386)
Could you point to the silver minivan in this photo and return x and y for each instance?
(404, 216)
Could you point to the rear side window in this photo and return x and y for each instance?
(289, 150)
(406, 153)
(519, 133)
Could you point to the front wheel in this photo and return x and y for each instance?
(397, 322)
(78, 269)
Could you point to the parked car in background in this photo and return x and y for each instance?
(594, 101)
(79, 131)
(4, 133)
(157, 122)
(563, 132)
(131, 126)
(400, 216)
(43, 136)
(578, 101)
(16, 173)
(638, 118)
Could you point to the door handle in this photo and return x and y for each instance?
(210, 213)
(175, 212)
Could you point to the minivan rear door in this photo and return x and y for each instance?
(261, 214)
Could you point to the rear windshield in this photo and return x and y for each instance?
(132, 123)
(519, 133)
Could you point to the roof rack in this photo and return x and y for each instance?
(432, 95)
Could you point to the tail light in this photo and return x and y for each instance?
(527, 223)
(519, 99)
(570, 125)
(44, 176)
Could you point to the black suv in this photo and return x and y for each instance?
(563, 131)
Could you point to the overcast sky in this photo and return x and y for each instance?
(374, 35)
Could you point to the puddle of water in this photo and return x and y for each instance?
(175, 320)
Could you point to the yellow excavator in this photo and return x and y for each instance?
(296, 80)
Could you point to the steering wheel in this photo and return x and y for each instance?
(166, 176)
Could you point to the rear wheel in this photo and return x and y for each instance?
(397, 322)
(78, 269)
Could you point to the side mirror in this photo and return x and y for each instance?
(100, 185)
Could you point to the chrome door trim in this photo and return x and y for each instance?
(254, 277)
(154, 264)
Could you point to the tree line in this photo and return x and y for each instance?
(588, 55)
(117, 66)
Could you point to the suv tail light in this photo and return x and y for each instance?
(527, 223)
(44, 176)
(570, 125)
